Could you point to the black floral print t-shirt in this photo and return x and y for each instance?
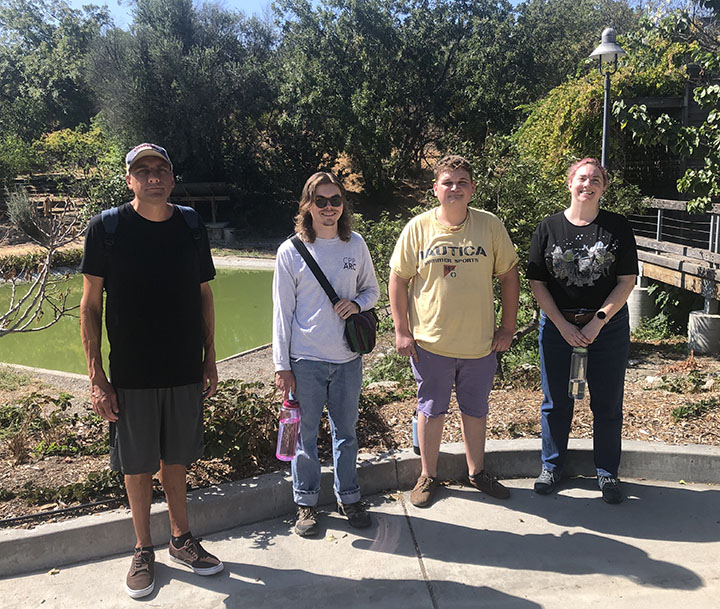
(580, 264)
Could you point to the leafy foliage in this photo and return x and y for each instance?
(655, 328)
(238, 423)
(567, 123)
(389, 83)
(692, 382)
(44, 421)
(380, 237)
(694, 409)
(18, 264)
(16, 157)
(552, 40)
(97, 485)
(43, 46)
(84, 150)
(685, 41)
(674, 304)
(187, 77)
(11, 379)
(390, 366)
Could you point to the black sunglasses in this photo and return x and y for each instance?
(335, 201)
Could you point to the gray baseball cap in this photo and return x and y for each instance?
(143, 150)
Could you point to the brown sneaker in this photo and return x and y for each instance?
(140, 579)
(488, 484)
(194, 556)
(422, 494)
(306, 524)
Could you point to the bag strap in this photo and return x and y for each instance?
(109, 218)
(315, 268)
(192, 219)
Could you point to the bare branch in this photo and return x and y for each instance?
(34, 290)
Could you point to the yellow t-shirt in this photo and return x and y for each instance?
(451, 305)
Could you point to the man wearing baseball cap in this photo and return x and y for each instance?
(143, 150)
(154, 265)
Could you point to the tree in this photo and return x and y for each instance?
(43, 47)
(372, 78)
(552, 39)
(190, 78)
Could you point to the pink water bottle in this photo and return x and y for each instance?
(288, 430)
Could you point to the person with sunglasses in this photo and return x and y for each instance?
(312, 359)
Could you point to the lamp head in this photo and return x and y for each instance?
(608, 50)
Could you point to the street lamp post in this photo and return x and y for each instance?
(607, 53)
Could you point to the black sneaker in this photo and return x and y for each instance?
(356, 514)
(488, 484)
(546, 482)
(610, 488)
(140, 579)
(194, 556)
(306, 524)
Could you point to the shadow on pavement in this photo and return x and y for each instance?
(244, 585)
(648, 512)
(571, 553)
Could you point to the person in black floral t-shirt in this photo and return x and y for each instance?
(582, 268)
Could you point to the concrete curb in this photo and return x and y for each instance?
(270, 496)
(57, 373)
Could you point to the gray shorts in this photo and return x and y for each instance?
(436, 375)
(157, 424)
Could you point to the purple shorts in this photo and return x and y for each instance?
(436, 374)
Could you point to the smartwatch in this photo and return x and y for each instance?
(601, 315)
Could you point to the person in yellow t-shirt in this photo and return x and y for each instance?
(441, 297)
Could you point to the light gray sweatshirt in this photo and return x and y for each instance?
(305, 326)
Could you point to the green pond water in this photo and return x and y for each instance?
(243, 320)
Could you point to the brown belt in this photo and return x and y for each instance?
(579, 319)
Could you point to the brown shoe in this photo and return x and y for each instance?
(306, 524)
(422, 494)
(195, 557)
(140, 579)
(488, 484)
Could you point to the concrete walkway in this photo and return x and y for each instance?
(660, 548)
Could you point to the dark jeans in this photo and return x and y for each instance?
(607, 360)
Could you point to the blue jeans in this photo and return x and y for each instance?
(338, 386)
(607, 360)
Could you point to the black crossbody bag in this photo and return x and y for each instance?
(360, 328)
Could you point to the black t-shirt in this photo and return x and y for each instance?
(152, 273)
(580, 264)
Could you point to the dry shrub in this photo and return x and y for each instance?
(19, 447)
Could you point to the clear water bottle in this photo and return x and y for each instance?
(578, 373)
(288, 430)
(416, 442)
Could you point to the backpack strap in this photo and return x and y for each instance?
(109, 219)
(192, 219)
(315, 268)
